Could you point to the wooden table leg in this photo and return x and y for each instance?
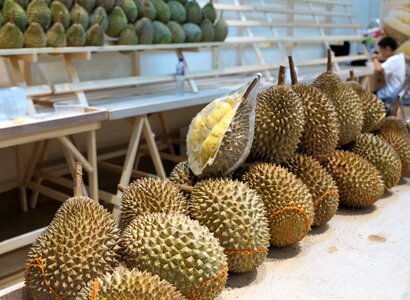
(92, 159)
(20, 176)
(42, 155)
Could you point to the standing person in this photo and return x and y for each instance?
(393, 67)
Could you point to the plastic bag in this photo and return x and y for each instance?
(221, 134)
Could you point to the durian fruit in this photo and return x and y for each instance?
(60, 13)
(34, 36)
(151, 195)
(374, 111)
(117, 22)
(130, 9)
(358, 181)
(79, 245)
(177, 32)
(95, 34)
(178, 13)
(67, 3)
(287, 199)
(348, 105)
(220, 136)
(162, 34)
(193, 32)
(193, 12)
(146, 9)
(124, 284)
(22, 3)
(279, 123)
(382, 155)
(79, 14)
(209, 11)
(163, 14)
(76, 35)
(97, 14)
(145, 31)
(221, 29)
(128, 36)
(208, 32)
(38, 11)
(56, 35)
(10, 35)
(10, 8)
(179, 250)
(321, 129)
(321, 185)
(396, 125)
(108, 5)
(87, 4)
(236, 215)
(182, 174)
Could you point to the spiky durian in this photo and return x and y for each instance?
(358, 181)
(279, 123)
(321, 185)
(321, 129)
(382, 155)
(236, 215)
(287, 200)
(80, 244)
(220, 135)
(149, 195)
(124, 284)
(374, 111)
(181, 174)
(394, 124)
(348, 106)
(179, 250)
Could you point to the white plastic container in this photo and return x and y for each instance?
(68, 107)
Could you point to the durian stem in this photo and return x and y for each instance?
(12, 17)
(185, 188)
(252, 85)
(281, 75)
(101, 20)
(351, 76)
(78, 180)
(293, 75)
(121, 187)
(329, 61)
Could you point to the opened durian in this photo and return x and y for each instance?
(321, 129)
(149, 195)
(382, 155)
(179, 250)
(349, 107)
(358, 181)
(374, 111)
(236, 215)
(79, 245)
(124, 284)
(220, 135)
(289, 204)
(321, 185)
(279, 123)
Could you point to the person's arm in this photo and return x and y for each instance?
(377, 65)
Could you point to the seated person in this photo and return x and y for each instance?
(393, 66)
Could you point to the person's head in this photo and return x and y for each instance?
(387, 47)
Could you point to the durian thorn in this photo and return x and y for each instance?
(223, 273)
(292, 208)
(78, 180)
(252, 85)
(351, 75)
(185, 188)
(281, 75)
(121, 187)
(329, 61)
(329, 192)
(293, 75)
(244, 252)
(39, 263)
(96, 289)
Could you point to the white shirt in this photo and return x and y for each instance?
(395, 73)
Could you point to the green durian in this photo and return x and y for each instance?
(95, 17)
(10, 35)
(146, 9)
(193, 12)
(38, 11)
(67, 3)
(208, 32)
(178, 13)
(76, 35)
(56, 35)
(128, 36)
(117, 22)
(130, 9)
(60, 12)
(209, 11)
(95, 34)
(163, 13)
(162, 35)
(20, 18)
(23, 3)
(178, 33)
(108, 5)
(34, 36)
(145, 31)
(221, 29)
(87, 4)
(81, 15)
(193, 33)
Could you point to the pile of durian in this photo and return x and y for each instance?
(262, 170)
(77, 23)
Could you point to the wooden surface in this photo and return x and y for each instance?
(360, 254)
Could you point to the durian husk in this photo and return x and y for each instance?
(374, 111)
(321, 129)
(349, 107)
(279, 123)
(179, 250)
(382, 155)
(124, 284)
(358, 181)
(149, 195)
(236, 215)
(321, 185)
(393, 124)
(80, 244)
(287, 199)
